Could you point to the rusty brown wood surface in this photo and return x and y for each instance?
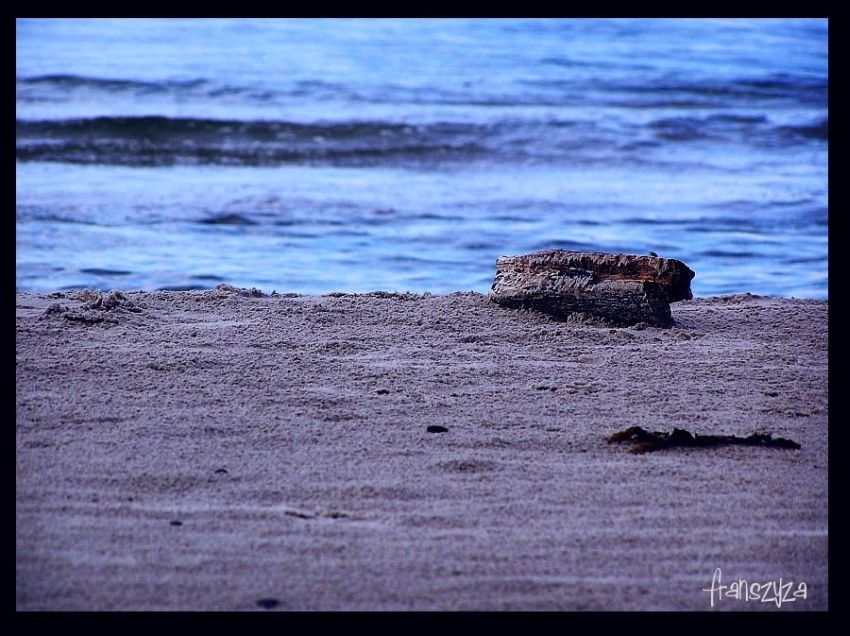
(617, 289)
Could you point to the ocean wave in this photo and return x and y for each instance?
(752, 129)
(62, 88)
(641, 88)
(648, 90)
(157, 140)
(803, 89)
(58, 88)
(164, 141)
(819, 130)
(66, 81)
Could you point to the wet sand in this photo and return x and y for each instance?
(205, 450)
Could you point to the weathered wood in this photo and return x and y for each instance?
(618, 289)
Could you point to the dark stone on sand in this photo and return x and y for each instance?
(176, 522)
(434, 428)
(382, 391)
(221, 471)
(268, 603)
(651, 441)
(615, 289)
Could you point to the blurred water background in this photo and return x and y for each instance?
(320, 155)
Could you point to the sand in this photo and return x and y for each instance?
(206, 450)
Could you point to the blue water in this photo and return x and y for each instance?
(354, 155)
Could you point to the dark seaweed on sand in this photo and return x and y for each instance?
(647, 442)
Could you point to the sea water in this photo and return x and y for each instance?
(320, 155)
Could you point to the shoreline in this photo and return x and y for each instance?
(287, 435)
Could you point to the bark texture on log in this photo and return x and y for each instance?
(619, 289)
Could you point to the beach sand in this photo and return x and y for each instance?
(205, 450)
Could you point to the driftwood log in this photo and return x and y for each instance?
(618, 289)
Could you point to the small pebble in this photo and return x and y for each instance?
(176, 523)
(221, 471)
(268, 603)
(437, 429)
(382, 391)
